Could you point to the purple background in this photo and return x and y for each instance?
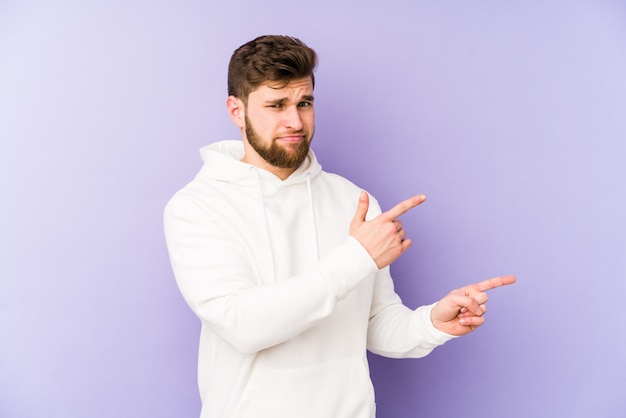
(509, 116)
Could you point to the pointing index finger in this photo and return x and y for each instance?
(404, 207)
(495, 282)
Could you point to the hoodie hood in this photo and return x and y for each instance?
(222, 162)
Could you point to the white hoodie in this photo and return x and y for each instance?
(288, 301)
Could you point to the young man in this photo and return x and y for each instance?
(287, 266)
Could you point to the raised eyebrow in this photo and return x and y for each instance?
(308, 98)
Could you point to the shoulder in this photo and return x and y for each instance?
(193, 198)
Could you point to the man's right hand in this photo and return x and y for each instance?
(383, 237)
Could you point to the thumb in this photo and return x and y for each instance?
(361, 209)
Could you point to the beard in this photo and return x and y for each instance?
(290, 156)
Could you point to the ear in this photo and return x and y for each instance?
(236, 111)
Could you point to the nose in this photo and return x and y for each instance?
(292, 118)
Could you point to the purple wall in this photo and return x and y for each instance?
(509, 116)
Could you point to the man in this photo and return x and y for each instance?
(287, 266)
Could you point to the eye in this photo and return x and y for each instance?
(305, 104)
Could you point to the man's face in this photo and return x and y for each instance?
(280, 122)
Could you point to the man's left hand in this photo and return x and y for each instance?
(462, 310)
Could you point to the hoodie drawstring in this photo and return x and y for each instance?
(316, 252)
(267, 226)
(313, 224)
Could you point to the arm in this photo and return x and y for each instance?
(396, 331)
(216, 279)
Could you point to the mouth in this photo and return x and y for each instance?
(291, 139)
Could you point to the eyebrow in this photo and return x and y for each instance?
(282, 100)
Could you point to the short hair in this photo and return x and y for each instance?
(269, 58)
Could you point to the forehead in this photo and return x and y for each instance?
(274, 90)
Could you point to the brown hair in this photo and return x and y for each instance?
(269, 58)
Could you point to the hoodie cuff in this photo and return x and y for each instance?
(432, 334)
(345, 267)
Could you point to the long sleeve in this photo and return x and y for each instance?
(397, 331)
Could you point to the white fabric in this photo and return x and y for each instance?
(288, 301)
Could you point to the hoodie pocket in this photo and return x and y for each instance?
(337, 389)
